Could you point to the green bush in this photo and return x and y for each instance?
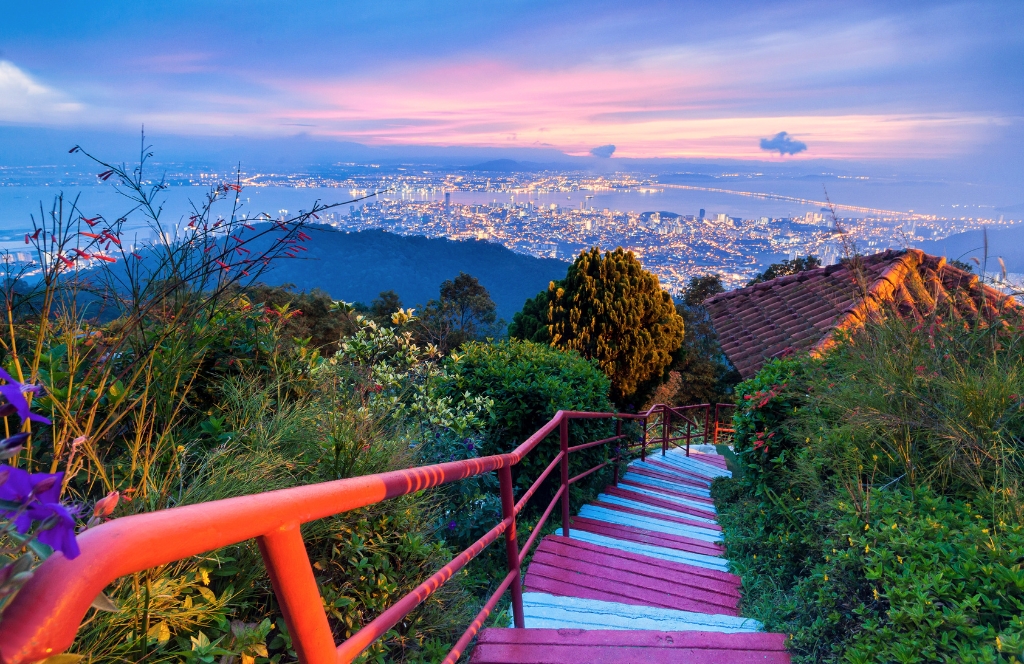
(528, 383)
(878, 514)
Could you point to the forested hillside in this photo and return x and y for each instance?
(358, 266)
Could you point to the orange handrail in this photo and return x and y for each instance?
(44, 616)
(718, 427)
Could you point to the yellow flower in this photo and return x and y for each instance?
(894, 526)
(866, 548)
(866, 526)
(875, 591)
(826, 577)
(899, 559)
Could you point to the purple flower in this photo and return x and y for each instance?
(451, 526)
(15, 394)
(39, 496)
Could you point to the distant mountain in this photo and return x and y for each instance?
(357, 266)
(1005, 243)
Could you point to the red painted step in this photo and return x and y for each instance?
(573, 548)
(653, 537)
(603, 577)
(656, 515)
(714, 459)
(553, 581)
(572, 646)
(667, 477)
(671, 582)
(624, 492)
(669, 492)
(669, 468)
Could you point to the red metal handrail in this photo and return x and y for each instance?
(44, 616)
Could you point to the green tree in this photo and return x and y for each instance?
(705, 374)
(612, 310)
(786, 267)
(531, 324)
(701, 288)
(463, 312)
(383, 306)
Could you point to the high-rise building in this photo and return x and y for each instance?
(447, 201)
(701, 214)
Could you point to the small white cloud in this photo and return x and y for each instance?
(22, 99)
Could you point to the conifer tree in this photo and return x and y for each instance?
(610, 309)
(531, 324)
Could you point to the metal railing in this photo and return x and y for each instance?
(720, 410)
(43, 618)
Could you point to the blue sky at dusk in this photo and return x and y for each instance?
(856, 81)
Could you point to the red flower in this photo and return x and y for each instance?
(110, 236)
(252, 228)
(93, 221)
(81, 253)
(105, 175)
(105, 506)
(222, 264)
(104, 258)
(919, 369)
(92, 235)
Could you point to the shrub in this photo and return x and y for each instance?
(878, 515)
(528, 383)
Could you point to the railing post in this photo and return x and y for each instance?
(714, 438)
(707, 422)
(666, 428)
(643, 442)
(508, 511)
(618, 453)
(687, 436)
(291, 576)
(563, 435)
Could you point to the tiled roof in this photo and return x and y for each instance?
(801, 311)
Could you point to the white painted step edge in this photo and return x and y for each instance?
(555, 612)
(660, 552)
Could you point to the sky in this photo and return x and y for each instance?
(783, 81)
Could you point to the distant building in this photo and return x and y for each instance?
(702, 214)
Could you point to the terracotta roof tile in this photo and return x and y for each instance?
(802, 311)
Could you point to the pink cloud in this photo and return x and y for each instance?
(679, 101)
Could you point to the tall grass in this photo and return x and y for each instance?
(878, 517)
